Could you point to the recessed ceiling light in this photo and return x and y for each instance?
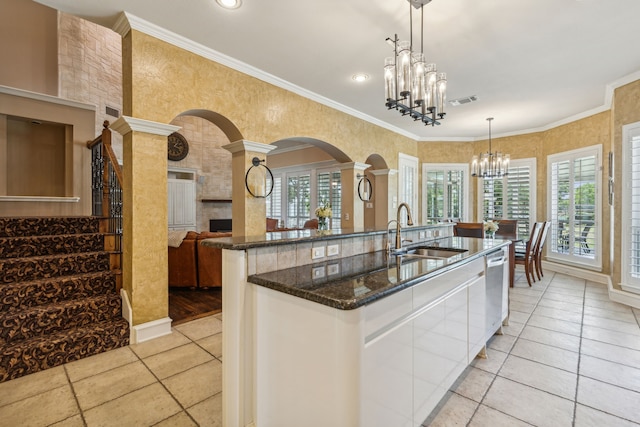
(230, 4)
(360, 77)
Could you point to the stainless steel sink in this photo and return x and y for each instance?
(438, 253)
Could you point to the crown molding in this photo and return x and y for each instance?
(45, 98)
(244, 145)
(126, 124)
(127, 21)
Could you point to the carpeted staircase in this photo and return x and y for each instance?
(59, 300)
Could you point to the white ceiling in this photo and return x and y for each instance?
(531, 63)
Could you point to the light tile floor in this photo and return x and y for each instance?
(175, 380)
(568, 357)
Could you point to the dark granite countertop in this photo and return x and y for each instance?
(274, 238)
(352, 282)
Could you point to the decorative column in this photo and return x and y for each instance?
(384, 196)
(249, 212)
(352, 206)
(144, 245)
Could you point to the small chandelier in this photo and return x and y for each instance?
(412, 86)
(490, 165)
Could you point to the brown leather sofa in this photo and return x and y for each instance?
(193, 265)
(182, 263)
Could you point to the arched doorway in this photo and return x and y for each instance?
(199, 187)
(307, 174)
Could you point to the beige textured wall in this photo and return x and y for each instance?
(586, 132)
(77, 178)
(626, 110)
(298, 157)
(178, 81)
(90, 64)
(28, 46)
(145, 258)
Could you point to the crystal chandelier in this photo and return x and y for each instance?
(490, 165)
(412, 86)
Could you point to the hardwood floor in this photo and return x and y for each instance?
(187, 304)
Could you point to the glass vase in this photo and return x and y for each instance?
(323, 223)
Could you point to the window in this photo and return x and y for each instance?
(512, 196)
(408, 182)
(445, 192)
(298, 199)
(329, 189)
(574, 206)
(274, 201)
(631, 207)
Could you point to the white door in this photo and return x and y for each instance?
(182, 204)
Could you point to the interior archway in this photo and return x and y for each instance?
(202, 185)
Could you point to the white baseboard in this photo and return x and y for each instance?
(150, 330)
(622, 296)
(127, 310)
(616, 295)
(146, 331)
(592, 276)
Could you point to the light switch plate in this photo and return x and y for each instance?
(333, 250)
(317, 252)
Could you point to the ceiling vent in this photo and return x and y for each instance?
(462, 101)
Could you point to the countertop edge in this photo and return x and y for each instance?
(276, 238)
(354, 303)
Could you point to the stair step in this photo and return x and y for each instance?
(52, 318)
(43, 352)
(30, 246)
(41, 267)
(23, 295)
(47, 226)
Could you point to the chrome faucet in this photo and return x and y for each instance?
(398, 227)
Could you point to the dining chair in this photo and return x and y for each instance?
(539, 249)
(507, 227)
(469, 229)
(526, 259)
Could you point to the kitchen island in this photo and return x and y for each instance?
(362, 339)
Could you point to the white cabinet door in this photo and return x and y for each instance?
(387, 374)
(456, 324)
(182, 204)
(431, 361)
(477, 316)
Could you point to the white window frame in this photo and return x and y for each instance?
(308, 168)
(447, 167)
(408, 185)
(596, 262)
(533, 189)
(336, 219)
(628, 281)
(278, 187)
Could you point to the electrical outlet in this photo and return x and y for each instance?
(421, 234)
(318, 272)
(346, 216)
(333, 250)
(317, 252)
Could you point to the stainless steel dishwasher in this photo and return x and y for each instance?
(495, 265)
